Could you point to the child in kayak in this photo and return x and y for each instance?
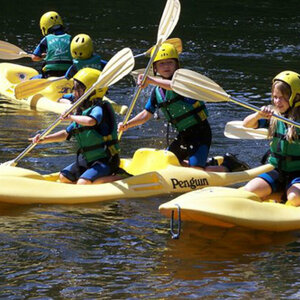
(188, 116)
(285, 143)
(82, 51)
(54, 48)
(95, 129)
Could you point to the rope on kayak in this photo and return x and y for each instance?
(173, 234)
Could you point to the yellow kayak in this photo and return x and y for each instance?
(230, 207)
(156, 172)
(45, 100)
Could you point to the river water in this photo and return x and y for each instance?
(122, 249)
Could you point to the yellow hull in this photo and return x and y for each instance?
(156, 172)
(230, 207)
(45, 100)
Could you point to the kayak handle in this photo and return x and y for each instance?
(174, 235)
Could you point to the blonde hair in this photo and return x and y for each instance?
(292, 113)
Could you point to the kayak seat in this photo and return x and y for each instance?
(147, 160)
(17, 74)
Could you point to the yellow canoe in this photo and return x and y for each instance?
(156, 172)
(230, 207)
(45, 100)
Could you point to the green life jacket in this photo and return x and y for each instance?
(93, 145)
(93, 62)
(58, 56)
(178, 112)
(284, 155)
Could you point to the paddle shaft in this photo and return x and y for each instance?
(138, 91)
(257, 109)
(140, 55)
(199, 87)
(167, 23)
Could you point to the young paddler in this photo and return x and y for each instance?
(187, 116)
(285, 142)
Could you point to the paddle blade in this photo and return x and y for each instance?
(176, 42)
(236, 130)
(196, 86)
(169, 19)
(118, 67)
(10, 51)
(30, 87)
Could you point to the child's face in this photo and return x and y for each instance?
(280, 101)
(78, 90)
(166, 68)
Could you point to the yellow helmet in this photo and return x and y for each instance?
(82, 46)
(165, 51)
(292, 79)
(88, 76)
(49, 20)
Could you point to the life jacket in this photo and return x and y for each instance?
(284, 155)
(93, 144)
(178, 112)
(93, 62)
(58, 56)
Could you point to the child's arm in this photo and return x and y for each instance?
(163, 83)
(251, 121)
(81, 120)
(139, 119)
(58, 136)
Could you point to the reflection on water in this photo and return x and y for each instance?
(239, 260)
(123, 248)
(212, 244)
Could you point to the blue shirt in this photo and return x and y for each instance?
(97, 114)
(69, 97)
(42, 46)
(263, 123)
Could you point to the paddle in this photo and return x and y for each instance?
(10, 51)
(176, 42)
(119, 65)
(167, 23)
(236, 130)
(27, 88)
(199, 87)
(135, 73)
(31, 87)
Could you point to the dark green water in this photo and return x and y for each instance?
(122, 249)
